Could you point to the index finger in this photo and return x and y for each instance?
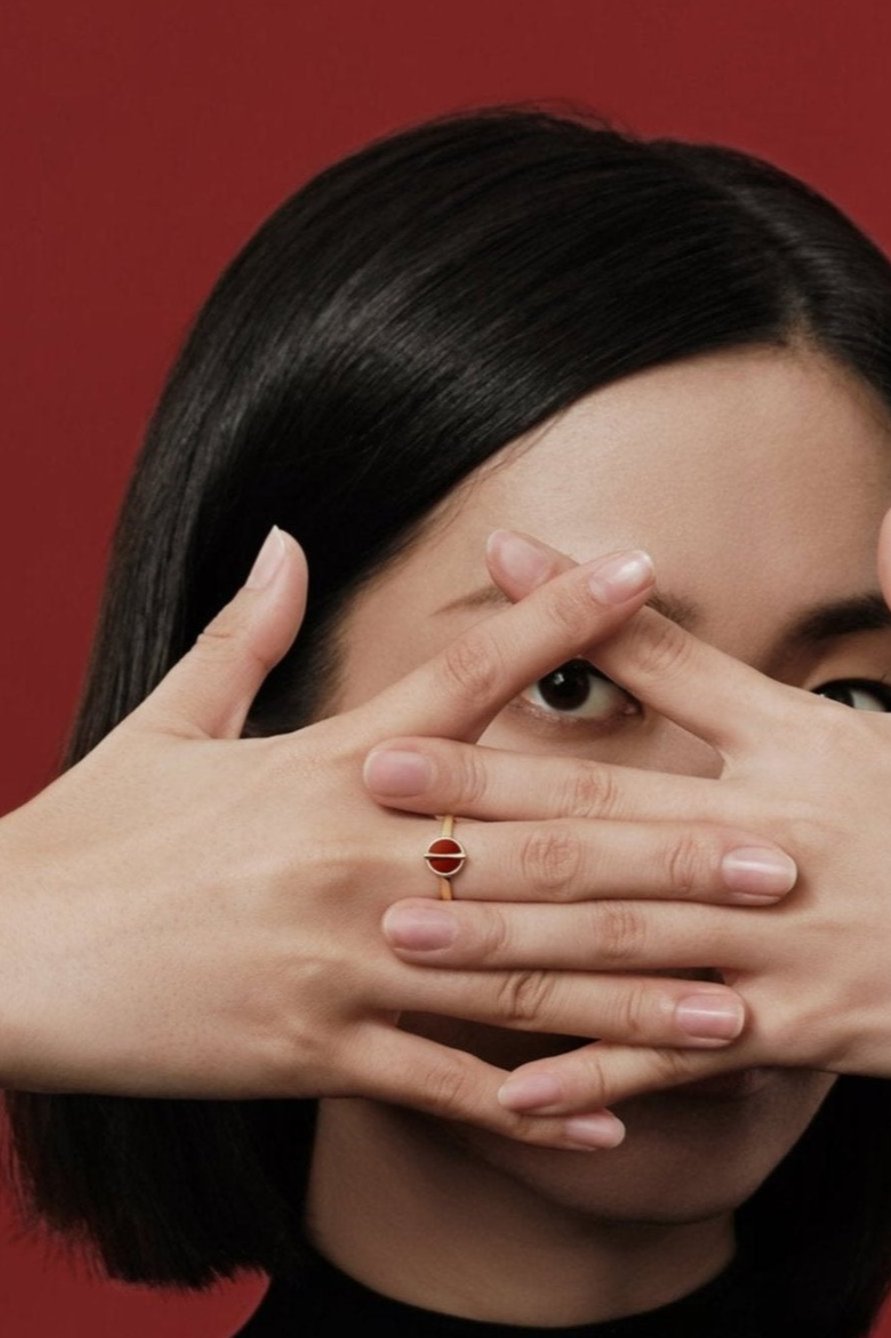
(722, 700)
(458, 692)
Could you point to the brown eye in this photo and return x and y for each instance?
(577, 690)
(864, 694)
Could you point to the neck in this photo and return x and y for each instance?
(418, 1217)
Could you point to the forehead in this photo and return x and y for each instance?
(759, 475)
(762, 434)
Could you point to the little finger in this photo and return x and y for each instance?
(400, 1067)
(587, 1077)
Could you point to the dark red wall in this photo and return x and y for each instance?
(148, 140)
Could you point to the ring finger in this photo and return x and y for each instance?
(576, 859)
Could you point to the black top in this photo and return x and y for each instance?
(323, 1300)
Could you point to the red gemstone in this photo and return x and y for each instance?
(445, 855)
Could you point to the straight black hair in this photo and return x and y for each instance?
(403, 316)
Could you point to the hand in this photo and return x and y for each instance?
(189, 913)
(810, 774)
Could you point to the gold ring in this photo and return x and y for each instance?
(445, 856)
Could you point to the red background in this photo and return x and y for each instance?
(148, 141)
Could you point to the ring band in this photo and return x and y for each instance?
(445, 856)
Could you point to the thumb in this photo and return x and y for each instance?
(885, 558)
(209, 692)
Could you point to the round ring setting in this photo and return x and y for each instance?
(445, 856)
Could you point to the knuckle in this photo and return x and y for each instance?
(447, 1087)
(571, 609)
(223, 643)
(686, 860)
(595, 1078)
(660, 649)
(591, 791)
(472, 778)
(523, 995)
(491, 934)
(673, 1066)
(619, 934)
(634, 1012)
(550, 858)
(471, 667)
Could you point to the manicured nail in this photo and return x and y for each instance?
(267, 561)
(527, 1091)
(522, 560)
(617, 579)
(763, 874)
(710, 1017)
(394, 772)
(595, 1131)
(419, 927)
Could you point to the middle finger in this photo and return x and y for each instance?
(591, 936)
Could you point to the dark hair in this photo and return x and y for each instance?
(404, 315)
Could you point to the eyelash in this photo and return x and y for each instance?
(553, 718)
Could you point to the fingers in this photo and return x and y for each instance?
(461, 689)
(718, 698)
(590, 936)
(208, 693)
(592, 1074)
(725, 702)
(475, 780)
(577, 859)
(397, 1066)
(632, 1009)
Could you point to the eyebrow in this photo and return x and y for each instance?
(841, 617)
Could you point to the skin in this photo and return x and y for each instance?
(757, 479)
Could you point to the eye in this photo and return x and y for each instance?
(864, 694)
(576, 691)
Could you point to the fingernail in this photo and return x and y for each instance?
(419, 927)
(595, 1131)
(267, 561)
(764, 874)
(529, 1090)
(395, 772)
(618, 578)
(710, 1017)
(522, 560)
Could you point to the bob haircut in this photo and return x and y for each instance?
(407, 313)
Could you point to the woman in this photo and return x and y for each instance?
(512, 318)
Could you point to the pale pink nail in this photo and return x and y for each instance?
(710, 1016)
(595, 1131)
(419, 927)
(619, 578)
(523, 561)
(530, 1090)
(267, 561)
(759, 871)
(394, 771)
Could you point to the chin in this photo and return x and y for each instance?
(687, 1155)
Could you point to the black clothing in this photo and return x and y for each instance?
(323, 1301)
